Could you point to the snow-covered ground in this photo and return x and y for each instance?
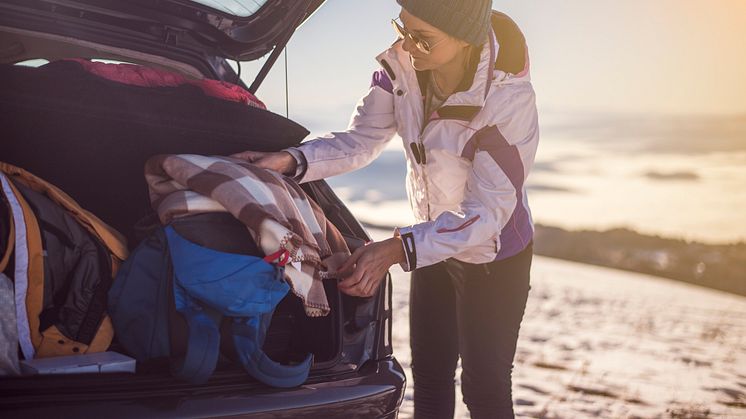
(598, 342)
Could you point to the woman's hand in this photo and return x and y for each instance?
(370, 264)
(281, 162)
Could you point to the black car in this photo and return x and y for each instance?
(81, 134)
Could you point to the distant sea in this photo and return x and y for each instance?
(674, 176)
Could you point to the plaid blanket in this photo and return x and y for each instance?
(278, 214)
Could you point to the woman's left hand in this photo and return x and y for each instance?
(370, 262)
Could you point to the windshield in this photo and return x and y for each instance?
(241, 8)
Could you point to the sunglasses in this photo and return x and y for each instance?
(424, 46)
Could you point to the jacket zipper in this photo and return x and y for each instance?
(423, 160)
(422, 156)
(421, 148)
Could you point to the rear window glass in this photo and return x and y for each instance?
(242, 8)
(36, 62)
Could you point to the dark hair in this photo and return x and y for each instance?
(475, 51)
(468, 78)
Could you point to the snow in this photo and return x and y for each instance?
(598, 342)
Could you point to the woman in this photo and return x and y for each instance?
(464, 106)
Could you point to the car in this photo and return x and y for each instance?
(355, 373)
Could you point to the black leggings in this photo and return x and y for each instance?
(472, 310)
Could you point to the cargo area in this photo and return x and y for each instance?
(91, 138)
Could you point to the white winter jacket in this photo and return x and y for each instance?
(466, 165)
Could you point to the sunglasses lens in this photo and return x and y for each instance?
(422, 45)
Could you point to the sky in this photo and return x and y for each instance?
(648, 57)
(625, 90)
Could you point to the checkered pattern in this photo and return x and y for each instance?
(8, 329)
(276, 211)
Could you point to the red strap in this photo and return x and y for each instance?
(285, 258)
(283, 255)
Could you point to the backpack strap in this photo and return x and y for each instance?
(28, 276)
(195, 356)
(203, 345)
(248, 339)
(11, 239)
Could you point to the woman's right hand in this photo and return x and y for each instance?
(281, 161)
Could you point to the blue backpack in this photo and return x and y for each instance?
(168, 273)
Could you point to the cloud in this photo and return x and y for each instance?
(682, 175)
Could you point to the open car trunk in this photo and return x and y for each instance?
(91, 137)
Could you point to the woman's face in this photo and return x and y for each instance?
(444, 48)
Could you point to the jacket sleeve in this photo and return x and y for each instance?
(494, 191)
(371, 127)
(300, 163)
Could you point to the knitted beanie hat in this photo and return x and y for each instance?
(467, 20)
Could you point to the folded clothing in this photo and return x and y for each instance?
(282, 220)
(63, 261)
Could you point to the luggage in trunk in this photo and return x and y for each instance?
(91, 137)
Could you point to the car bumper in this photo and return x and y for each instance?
(374, 391)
